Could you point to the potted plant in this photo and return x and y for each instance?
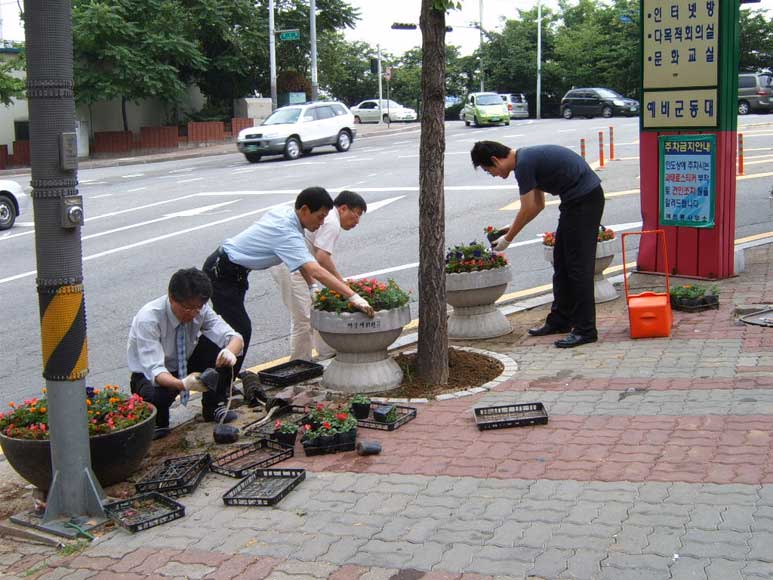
(606, 248)
(121, 430)
(359, 405)
(476, 277)
(285, 433)
(345, 426)
(361, 364)
(385, 414)
(694, 297)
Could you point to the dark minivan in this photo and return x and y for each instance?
(594, 102)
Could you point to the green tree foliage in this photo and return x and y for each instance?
(11, 86)
(132, 50)
(756, 40)
(344, 69)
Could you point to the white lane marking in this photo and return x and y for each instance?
(157, 239)
(373, 175)
(92, 183)
(190, 180)
(358, 159)
(102, 195)
(403, 142)
(567, 130)
(537, 240)
(135, 189)
(377, 205)
(182, 169)
(132, 175)
(244, 170)
(168, 176)
(457, 152)
(407, 156)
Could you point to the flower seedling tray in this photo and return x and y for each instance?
(676, 305)
(292, 414)
(404, 414)
(310, 450)
(290, 373)
(144, 511)
(177, 476)
(247, 458)
(517, 415)
(264, 487)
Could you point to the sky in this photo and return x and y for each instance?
(378, 16)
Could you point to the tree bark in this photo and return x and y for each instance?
(123, 114)
(432, 355)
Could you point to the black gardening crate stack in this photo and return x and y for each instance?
(177, 476)
(264, 487)
(291, 414)
(290, 373)
(402, 416)
(144, 511)
(516, 415)
(247, 458)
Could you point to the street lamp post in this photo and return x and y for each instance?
(313, 37)
(480, 47)
(539, 59)
(272, 52)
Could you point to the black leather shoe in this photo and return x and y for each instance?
(572, 340)
(546, 329)
(161, 432)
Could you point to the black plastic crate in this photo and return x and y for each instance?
(143, 511)
(247, 458)
(517, 415)
(404, 414)
(697, 308)
(324, 450)
(177, 476)
(290, 373)
(264, 487)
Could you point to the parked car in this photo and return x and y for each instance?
(369, 112)
(297, 129)
(13, 203)
(594, 102)
(755, 93)
(484, 109)
(516, 104)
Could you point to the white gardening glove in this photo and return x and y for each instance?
(225, 358)
(501, 244)
(313, 289)
(361, 304)
(193, 383)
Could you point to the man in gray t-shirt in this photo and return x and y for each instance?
(556, 170)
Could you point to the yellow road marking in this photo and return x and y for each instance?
(753, 176)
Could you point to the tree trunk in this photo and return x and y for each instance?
(432, 355)
(123, 114)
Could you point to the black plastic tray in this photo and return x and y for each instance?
(404, 414)
(292, 413)
(247, 458)
(517, 415)
(290, 373)
(144, 511)
(264, 487)
(309, 451)
(697, 308)
(177, 476)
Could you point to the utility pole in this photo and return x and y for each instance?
(380, 101)
(539, 58)
(272, 52)
(75, 496)
(313, 36)
(480, 46)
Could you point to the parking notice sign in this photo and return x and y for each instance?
(687, 167)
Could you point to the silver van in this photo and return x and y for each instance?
(516, 104)
(755, 93)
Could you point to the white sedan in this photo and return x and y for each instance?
(390, 111)
(13, 203)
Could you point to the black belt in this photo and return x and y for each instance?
(224, 269)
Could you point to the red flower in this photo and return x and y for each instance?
(326, 425)
(342, 416)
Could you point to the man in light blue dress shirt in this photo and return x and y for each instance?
(164, 347)
(277, 237)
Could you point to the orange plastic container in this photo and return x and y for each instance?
(649, 313)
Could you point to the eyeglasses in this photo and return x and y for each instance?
(197, 308)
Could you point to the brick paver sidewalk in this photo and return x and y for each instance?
(657, 463)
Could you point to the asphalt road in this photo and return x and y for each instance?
(145, 221)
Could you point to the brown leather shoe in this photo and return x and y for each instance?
(546, 329)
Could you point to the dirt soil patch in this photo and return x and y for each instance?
(465, 369)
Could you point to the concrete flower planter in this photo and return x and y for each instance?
(473, 294)
(603, 290)
(361, 364)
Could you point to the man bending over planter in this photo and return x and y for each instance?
(275, 238)
(165, 345)
(558, 171)
(346, 214)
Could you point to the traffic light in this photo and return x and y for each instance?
(374, 66)
(403, 26)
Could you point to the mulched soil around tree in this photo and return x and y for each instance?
(465, 369)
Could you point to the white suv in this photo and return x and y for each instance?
(297, 129)
(13, 203)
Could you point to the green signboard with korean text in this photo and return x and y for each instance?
(687, 180)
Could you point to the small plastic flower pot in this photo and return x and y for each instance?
(381, 414)
(286, 439)
(360, 410)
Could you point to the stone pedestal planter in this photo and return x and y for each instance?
(361, 364)
(473, 294)
(603, 289)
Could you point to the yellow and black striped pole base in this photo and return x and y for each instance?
(63, 332)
